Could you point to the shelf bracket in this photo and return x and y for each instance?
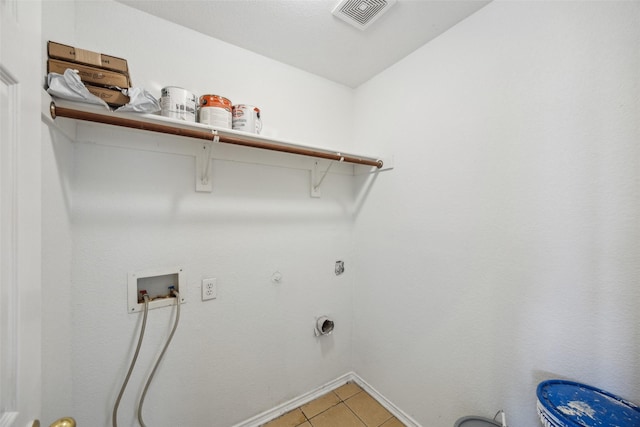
(203, 165)
(315, 186)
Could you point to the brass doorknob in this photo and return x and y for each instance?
(64, 422)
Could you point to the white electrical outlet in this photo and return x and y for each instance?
(209, 289)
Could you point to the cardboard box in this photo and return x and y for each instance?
(87, 57)
(112, 97)
(91, 75)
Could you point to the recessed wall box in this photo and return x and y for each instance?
(157, 284)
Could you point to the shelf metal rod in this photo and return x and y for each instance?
(71, 113)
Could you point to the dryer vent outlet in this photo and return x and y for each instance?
(324, 326)
(361, 13)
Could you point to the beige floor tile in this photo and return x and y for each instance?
(305, 424)
(337, 416)
(290, 419)
(321, 404)
(346, 391)
(393, 422)
(368, 409)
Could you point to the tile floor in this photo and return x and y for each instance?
(346, 406)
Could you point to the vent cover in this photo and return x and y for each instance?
(361, 13)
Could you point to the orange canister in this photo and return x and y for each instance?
(215, 110)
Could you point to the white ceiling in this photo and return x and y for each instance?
(304, 33)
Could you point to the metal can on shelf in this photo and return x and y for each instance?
(178, 103)
(246, 118)
(215, 110)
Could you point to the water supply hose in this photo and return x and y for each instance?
(146, 387)
(133, 362)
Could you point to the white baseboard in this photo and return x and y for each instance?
(397, 412)
(292, 404)
(282, 409)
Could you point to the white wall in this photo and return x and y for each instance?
(504, 248)
(129, 210)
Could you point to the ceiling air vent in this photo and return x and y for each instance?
(361, 13)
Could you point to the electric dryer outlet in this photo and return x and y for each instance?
(209, 289)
